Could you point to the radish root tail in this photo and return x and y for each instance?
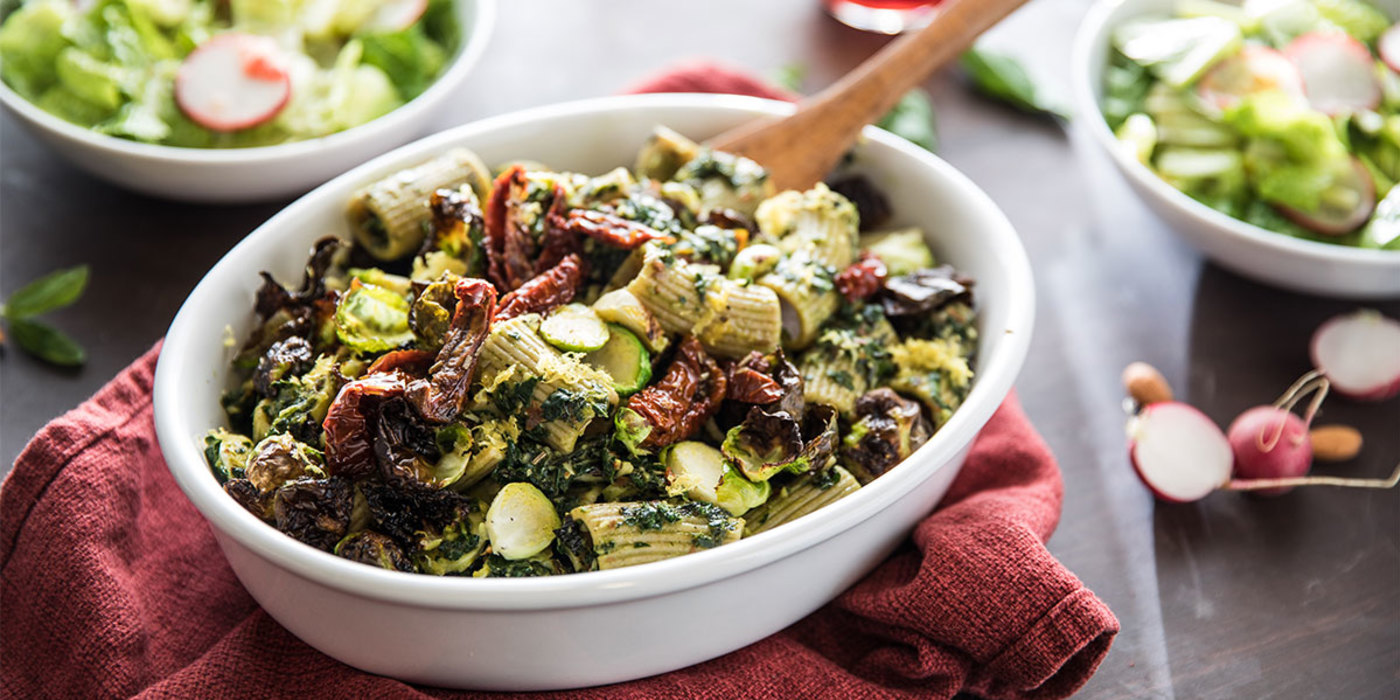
(1256, 484)
(1311, 383)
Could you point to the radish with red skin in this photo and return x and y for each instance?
(1270, 443)
(396, 15)
(1178, 452)
(1338, 72)
(1330, 221)
(1388, 46)
(233, 81)
(1359, 353)
(1253, 69)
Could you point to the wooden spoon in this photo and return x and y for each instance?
(801, 149)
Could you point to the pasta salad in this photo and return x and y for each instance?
(546, 372)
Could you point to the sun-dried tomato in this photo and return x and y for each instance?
(549, 290)
(414, 363)
(349, 449)
(509, 247)
(688, 395)
(609, 228)
(748, 381)
(862, 279)
(559, 241)
(441, 397)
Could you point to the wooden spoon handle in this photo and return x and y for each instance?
(801, 149)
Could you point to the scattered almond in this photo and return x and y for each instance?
(1145, 384)
(1335, 443)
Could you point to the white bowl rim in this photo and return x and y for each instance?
(1091, 32)
(473, 45)
(996, 376)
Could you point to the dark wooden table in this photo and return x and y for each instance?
(1233, 597)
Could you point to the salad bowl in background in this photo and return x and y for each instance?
(1266, 256)
(531, 634)
(259, 173)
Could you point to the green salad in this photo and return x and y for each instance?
(1282, 113)
(224, 74)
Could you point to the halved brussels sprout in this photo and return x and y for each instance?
(430, 315)
(454, 441)
(371, 318)
(227, 454)
(521, 521)
(397, 284)
(754, 262)
(737, 494)
(299, 404)
(902, 251)
(664, 152)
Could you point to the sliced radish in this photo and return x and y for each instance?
(1253, 69)
(1389, 47)
(1270, 443)
(233, 81)
(1345, 207)
(1359, 353)
(1338, 72)
(1178, 452)
(396, 15)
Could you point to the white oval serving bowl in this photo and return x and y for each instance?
(598, 627)
(224, 175)
(1273, 258)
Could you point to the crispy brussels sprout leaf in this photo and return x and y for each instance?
(923, 291)
(372, 319)
(819, 435)
(286, 358)
(455, 548)
(765, 444)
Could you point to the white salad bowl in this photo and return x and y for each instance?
(1273, 258)
(259, 173)
(607, 626)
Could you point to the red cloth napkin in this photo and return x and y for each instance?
(111, 583)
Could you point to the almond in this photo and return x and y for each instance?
(1145, 384)
(1335, 443)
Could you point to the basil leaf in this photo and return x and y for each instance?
(52, 291)
(912, 118)
(47, 343)
(1002, 78)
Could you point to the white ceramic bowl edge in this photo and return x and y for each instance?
(535, 625)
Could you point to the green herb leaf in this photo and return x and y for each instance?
(913, 119)
(53, 291)
(47, 343)
(791, 76)
(1002, 78)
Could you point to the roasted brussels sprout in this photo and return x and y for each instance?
(227, 454)
(404, 512)
(374, 549)
(765, 444)
(279, 459)
(453, 244)
(890, 428)
(664, 152)
(252, 499)
(404, 446)
(314, 511)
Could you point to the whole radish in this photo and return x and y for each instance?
(1270, 443)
